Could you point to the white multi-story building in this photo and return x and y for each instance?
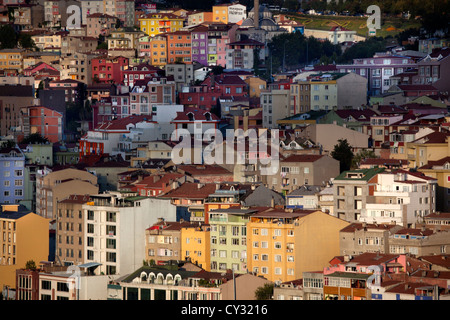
(115, 226)
(400, 197)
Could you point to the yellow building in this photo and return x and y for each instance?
(196, 245)
(440, 170)
(156, 23)
(431, 147)
(11, 59)
(24, 237)
(282, 244)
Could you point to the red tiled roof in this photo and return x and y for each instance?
(76, 199)
(199, 115)
(358, 226)
(202, 170)
(190, 190)
(121, 124)
(439, 260)
(158, 181)
(303, 158)
(415, 232)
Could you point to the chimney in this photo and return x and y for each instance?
(256, 13)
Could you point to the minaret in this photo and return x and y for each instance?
(256, 13)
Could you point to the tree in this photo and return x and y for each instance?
(361, 155)
(34, 138)
(343, 153)
(30, 265)
(265, 292)
(8, 37)
(26, 42)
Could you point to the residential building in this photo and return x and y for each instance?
(229, 238)
(290, 290)
(77, 66)
(419, 242)
(378, 70)
(90, 7)
(229, 13)
(241, 54)
(11, 60)
(122, 9)
(156, 23)
(437, 220)
(351, 190)
(39, 119)
(52, 187)
(196, 244)
(201, 17)
(303, 169)
(20, 229)
(109, 69)
(199, 48)
(185, 283)
(163, 242)
(282, 244)
(304, 197)
(183, 74)
(433, 69)
(178, 46)
(115, 225)
(12, 173)
(358, 238)
(124, 38)
(70, 231)
(312, 285)
(275, 105)
(99, 24)
(328, 135)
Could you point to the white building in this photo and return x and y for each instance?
(115, 226)
(402, 198)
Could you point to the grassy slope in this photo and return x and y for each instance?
(389, 26)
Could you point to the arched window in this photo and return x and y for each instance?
(191, 116)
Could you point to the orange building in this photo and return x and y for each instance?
(179, 47)
(282, 244)
(158, 50)
(25, 236)
(39, 119)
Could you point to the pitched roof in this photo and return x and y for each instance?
(191, 190)
(302, 158)
(121, 123)
(202, 170)
(359, 226)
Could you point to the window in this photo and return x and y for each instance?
(46, 285)
(62, 286)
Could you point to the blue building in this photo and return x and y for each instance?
(12, 165)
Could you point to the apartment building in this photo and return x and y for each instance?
(115, 225)
(99, 24)
(20, 228)
(303, 169)
(45, 121)
(229, 238)
(57, 185)
(241, 54)
(433, 69)
(350, 191)
(358, 238)
(400, 197)
(157, 23)
(70, 232)
(378, 70)
(163, 241)
(12, 60)
(12, 173)
(178, 47)
(282, 244)
(109, 69)
(124, 39)
(90, 7)
(229, 13)
(122, 9)
(196, 244)
(419, 242)
(276, 105)
(78, 67)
